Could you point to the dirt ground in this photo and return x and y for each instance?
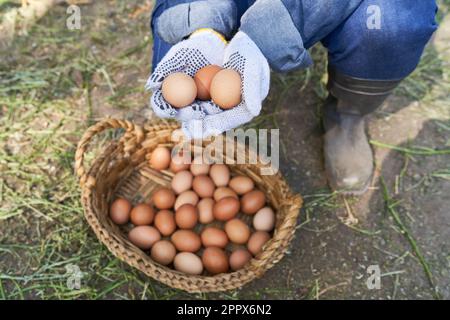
(56, 82)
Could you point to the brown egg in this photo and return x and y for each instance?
(225, 89)
(179, 90)
(186, 216)
(144, 236)
(215, 260)
(160, 158)
(257, 241)
(220, 174)
(264, 219)
(203, 79)
(164, 198)
(181, 161)
(188, 262)
(252, 201)
(182, 181)
(163, 252)
(142, 214)
(214, 237)
(165, 222)
(186, 240)
(241, 184)
(223, 192)
(199, 166)
(186, 197)
(120, 211)
(205, 210)
(203, 186)
(237, 231)
(226, 209)
(239, 258)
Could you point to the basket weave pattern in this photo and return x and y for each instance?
(122, 170)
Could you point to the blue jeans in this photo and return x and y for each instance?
(389, 50)
(160, 47)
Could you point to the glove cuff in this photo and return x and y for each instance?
(255, 67)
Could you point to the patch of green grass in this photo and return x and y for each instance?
(442, 173)
(314, 291)
(391, 205)
(430, 81)
(297, 82)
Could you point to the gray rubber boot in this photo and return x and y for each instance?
(348, 156)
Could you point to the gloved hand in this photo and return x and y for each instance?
(202, 48)
(244, 56)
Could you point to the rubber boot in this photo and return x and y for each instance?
(348, 156)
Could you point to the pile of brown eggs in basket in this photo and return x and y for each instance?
(200, 222)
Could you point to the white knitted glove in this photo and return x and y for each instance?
(244, 56)
(204, 47)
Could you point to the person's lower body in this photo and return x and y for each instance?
(369, 54)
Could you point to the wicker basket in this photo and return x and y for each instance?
(122, 170)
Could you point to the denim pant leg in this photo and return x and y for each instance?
(160, 47)
(388, 48)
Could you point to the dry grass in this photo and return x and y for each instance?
(53, 84)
